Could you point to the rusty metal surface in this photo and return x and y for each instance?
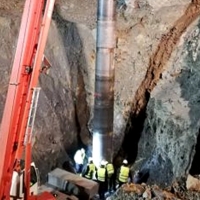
(62, 196)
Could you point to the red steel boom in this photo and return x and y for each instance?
(24, 77)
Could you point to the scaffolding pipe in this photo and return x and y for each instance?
(102, 123)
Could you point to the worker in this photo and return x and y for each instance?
(124, 173)
(90, 170)
(111, 176)
(101, 176)
(79, 160)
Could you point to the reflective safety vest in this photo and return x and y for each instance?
(90, 171)
(110, 169)
(124, 174)
(101, 174)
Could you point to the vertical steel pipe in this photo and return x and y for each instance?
(102, 123)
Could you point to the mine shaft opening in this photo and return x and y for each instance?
(134, 129)
(195, 163)
(132, 135)
(129, 148)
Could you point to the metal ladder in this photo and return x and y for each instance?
(32, 113)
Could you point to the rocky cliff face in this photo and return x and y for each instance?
(169, 133)
(156, 118)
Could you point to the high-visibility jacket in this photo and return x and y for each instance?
(101, 174)
(91, 170)
(124, 174)
(110, 169)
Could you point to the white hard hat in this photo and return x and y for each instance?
(90, 159)
(106, 162)
(103, 162)
(125, 162)
(83, 150)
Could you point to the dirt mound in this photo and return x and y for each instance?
(178, 190)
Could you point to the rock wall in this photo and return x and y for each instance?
(172, 125)
(169, 133)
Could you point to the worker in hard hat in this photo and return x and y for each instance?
(90, 170)
(101, 176)
(124, 173)
(111, 176)
(79, 160)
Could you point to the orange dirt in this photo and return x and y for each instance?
(162, 54)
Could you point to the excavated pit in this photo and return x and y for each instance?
(58, 139)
